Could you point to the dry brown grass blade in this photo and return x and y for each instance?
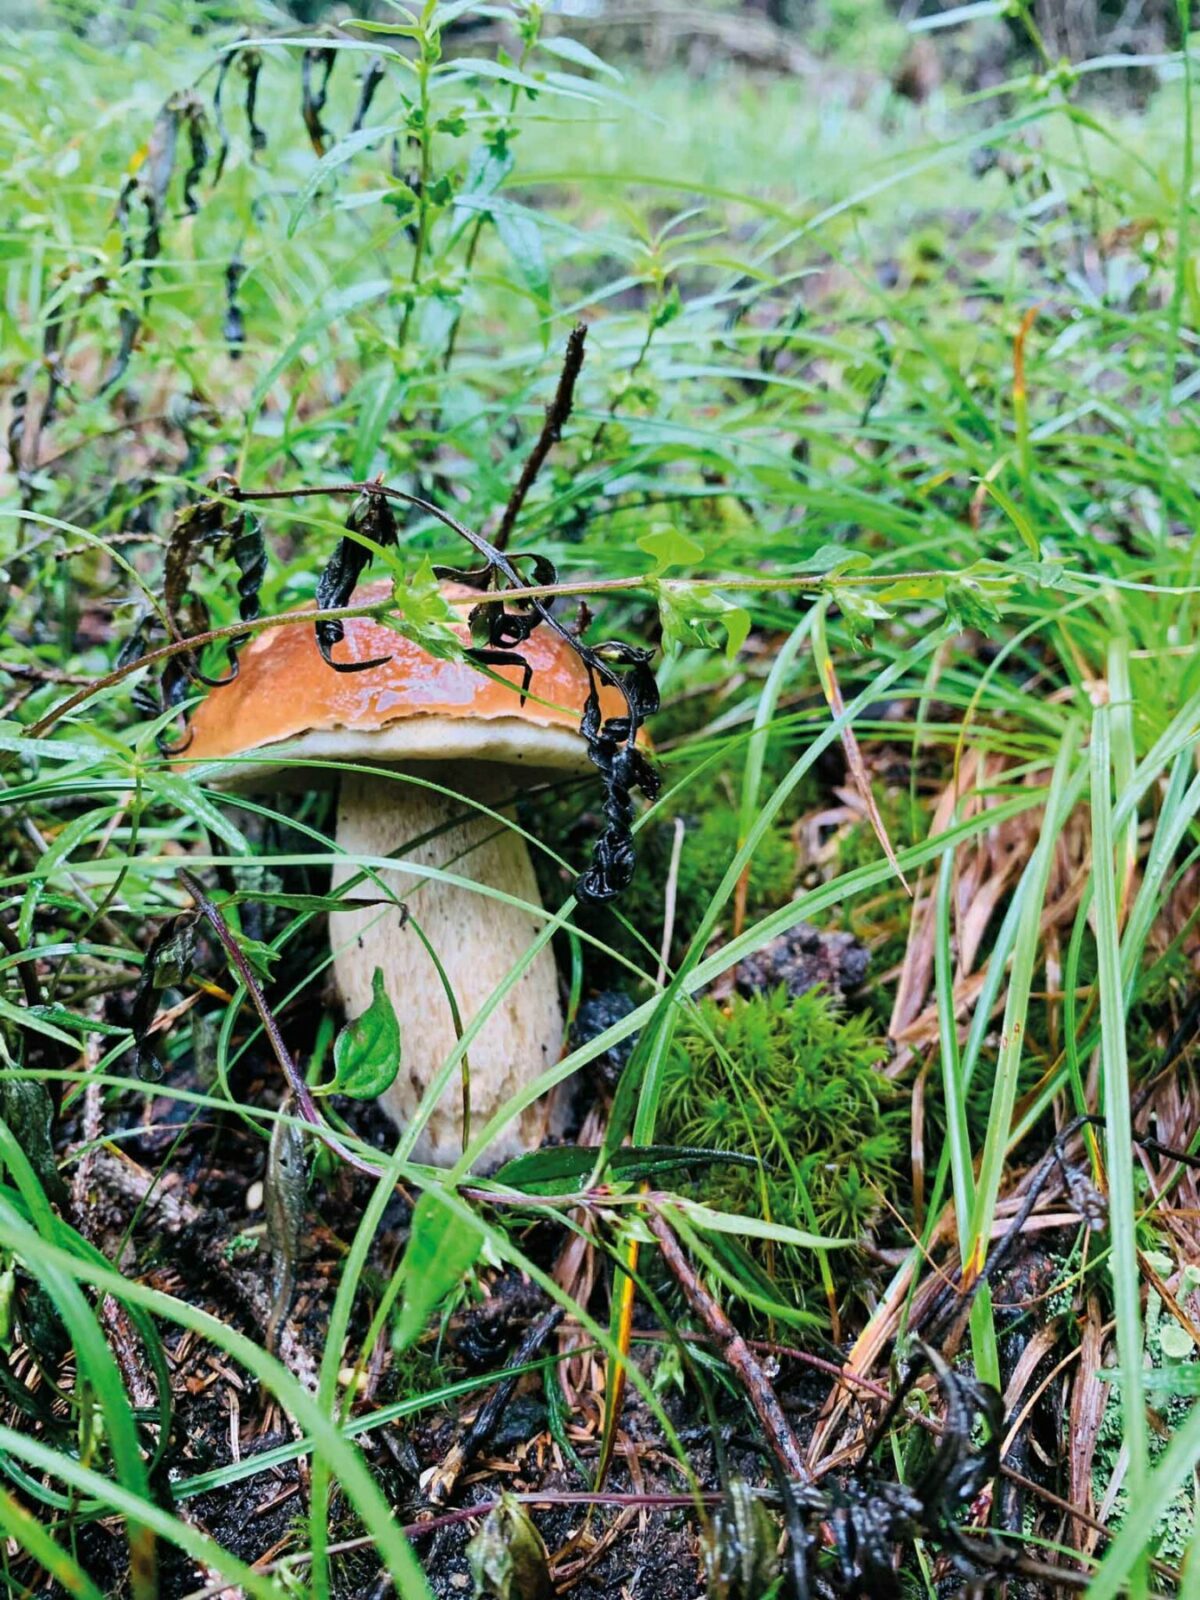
(1035, 1352)
(856, 765)
(1089, 1395)
(916, 972)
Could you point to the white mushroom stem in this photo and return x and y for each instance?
(478, 940)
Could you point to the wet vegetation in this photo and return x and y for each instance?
(822, 379)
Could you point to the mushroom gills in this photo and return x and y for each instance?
(478, 940)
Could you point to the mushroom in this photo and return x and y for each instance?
(445, 721)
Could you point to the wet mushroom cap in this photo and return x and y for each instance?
(413, 707)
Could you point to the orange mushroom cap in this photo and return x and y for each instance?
(414, 707)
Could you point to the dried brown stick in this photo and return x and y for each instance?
(734, 1351)
(557, 413)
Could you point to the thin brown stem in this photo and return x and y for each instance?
(734, 1350)
(557, 413)
(295, 1078)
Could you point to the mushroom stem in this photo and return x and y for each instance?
(478, 940)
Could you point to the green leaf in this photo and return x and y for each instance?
(487, 169)
(668, 547)
(424, 615)
(366, 1054)
(834, 558)
(860, 612)
(440, 1253)
(567, 1162)
(974, 598)
(695, 617)
(578, 55)
(259, 955)
(345, 150)
(522, 238)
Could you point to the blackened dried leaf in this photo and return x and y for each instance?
(226, 62)
(372, 77)
(16, 429)
(250, 556)
(198, 156)
(312, 101)
(624, 768)
(135, 645)
(195, 526)
(129, 325)
(234, 326)
(56, 377)
(373, 517)
(470, 577)
(130, 321)
(251, 64)
(503, 658)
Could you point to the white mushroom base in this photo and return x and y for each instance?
(478, 941)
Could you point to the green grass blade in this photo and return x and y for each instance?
(1122, 1211)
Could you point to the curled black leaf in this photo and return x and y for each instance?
(193, 114)
(206, 525)
(148, 186)
(218, 107)
(234, 326)
(129, 320)
(485, 657)
(249, 553)
(372, 76)
(251, 65)
(312, 100)
(52, 361)
(195, 526)
(372, 516)
(624, 768)
(469, 577)
(868, 1514)
(16, 429)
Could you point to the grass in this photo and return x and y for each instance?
(908, 388)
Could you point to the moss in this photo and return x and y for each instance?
(793, 1082)
(1171, 1378)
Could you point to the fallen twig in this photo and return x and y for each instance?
(734, 1350)
(305, 1103)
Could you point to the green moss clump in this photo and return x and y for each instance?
(794, 1083)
